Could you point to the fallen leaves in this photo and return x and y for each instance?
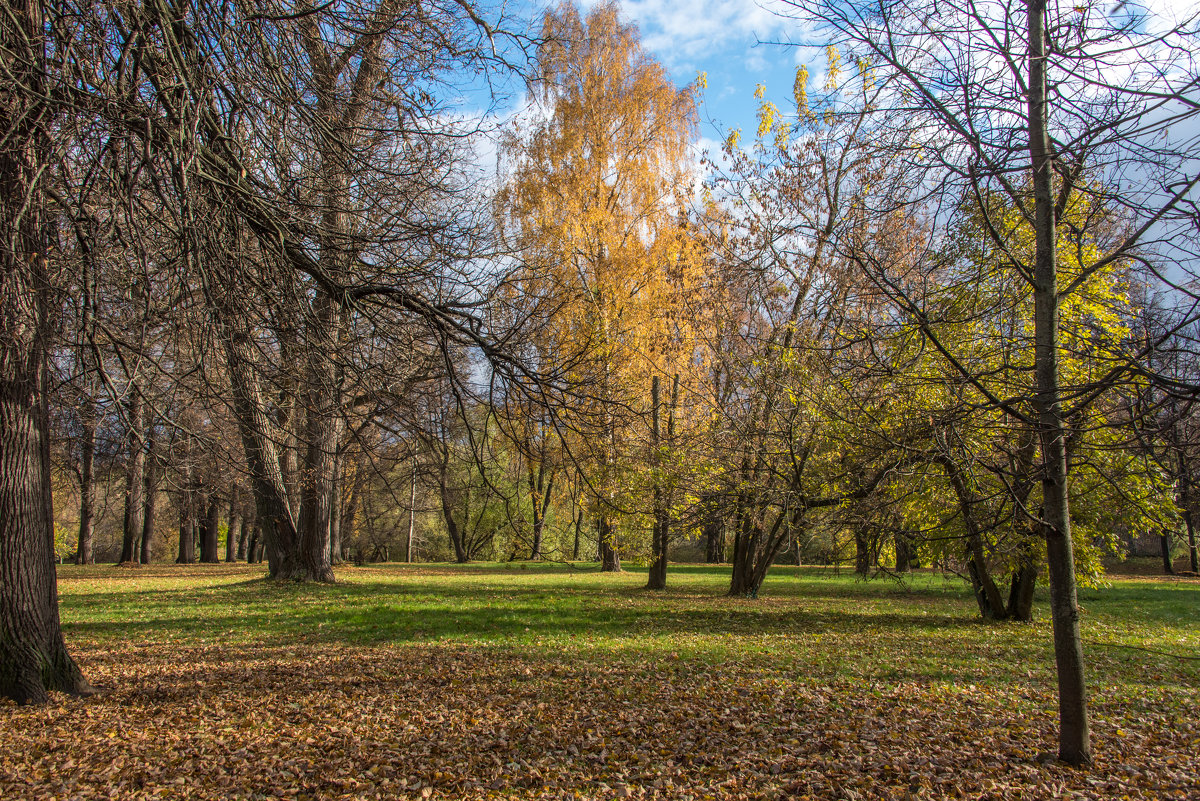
(454, 721)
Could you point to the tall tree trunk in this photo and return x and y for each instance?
(187, 522)
(658, 569)
(87, 486)
(335, 508)
(1074, 743)
(150, 510)
(412, 515)
(322, 434)
(460, 554)
(1185, 502)
(33, 655)
(135, 478)
(273, 512)
(234, 532)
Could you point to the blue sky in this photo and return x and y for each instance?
(728, 40)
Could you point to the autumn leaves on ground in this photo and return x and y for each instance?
(547, 681)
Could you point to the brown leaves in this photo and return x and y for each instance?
(435, 721)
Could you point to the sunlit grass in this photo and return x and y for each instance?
(815, 621)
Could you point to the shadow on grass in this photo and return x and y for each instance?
(373, 611)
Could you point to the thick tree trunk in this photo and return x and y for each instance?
(252, 547)
(322, 433)
(187, 530)
(273, 512)
(33, 655)
(714, 537)
(1074, 744)
(1020, 595)
(243, 549)
(610, 559)
(210, 534)
(135, 479)
(862, 554)
(903, 553)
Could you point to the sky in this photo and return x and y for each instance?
(733, 41)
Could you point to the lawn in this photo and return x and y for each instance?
(516, 681)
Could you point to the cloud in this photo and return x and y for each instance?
(680, 33)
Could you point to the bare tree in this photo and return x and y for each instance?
(1046, 105)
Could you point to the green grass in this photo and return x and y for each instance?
(547, 681)
(813, 620)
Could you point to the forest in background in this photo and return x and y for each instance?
(262, 299)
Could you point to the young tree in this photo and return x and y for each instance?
(1040, 103)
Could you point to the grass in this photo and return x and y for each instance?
(574, 653)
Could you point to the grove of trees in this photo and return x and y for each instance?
(264, 299)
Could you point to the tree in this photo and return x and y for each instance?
(33, 655)
(1041, 106)
(593, 207)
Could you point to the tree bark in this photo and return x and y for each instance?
(412, 515)
(1164, 545)
(234, 532)
(903, 553)
(33, 655)
(150, 508)
(135, 479)
(1074, 744)
(714, 536)
(610, 559)
(87, 486)
(187, 526)
(210, 532)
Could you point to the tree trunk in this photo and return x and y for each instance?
(335, 509)
(252, 547)
(657, 579)
(234, 532)
(210, 532)
(87, 487)
(610, 559)
(244, 542)
(273, 512)
(187, 526)
(714, 536)
(460, 554)
(862, 554)
(150, 510)
(903, 553)
(412, 515)
(1020, 595)
(33, 655)
(135, 479)
(322, 433)
(1074, 744)
(1164, 545)
(577, 519)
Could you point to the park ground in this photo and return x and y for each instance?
(550, 681)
